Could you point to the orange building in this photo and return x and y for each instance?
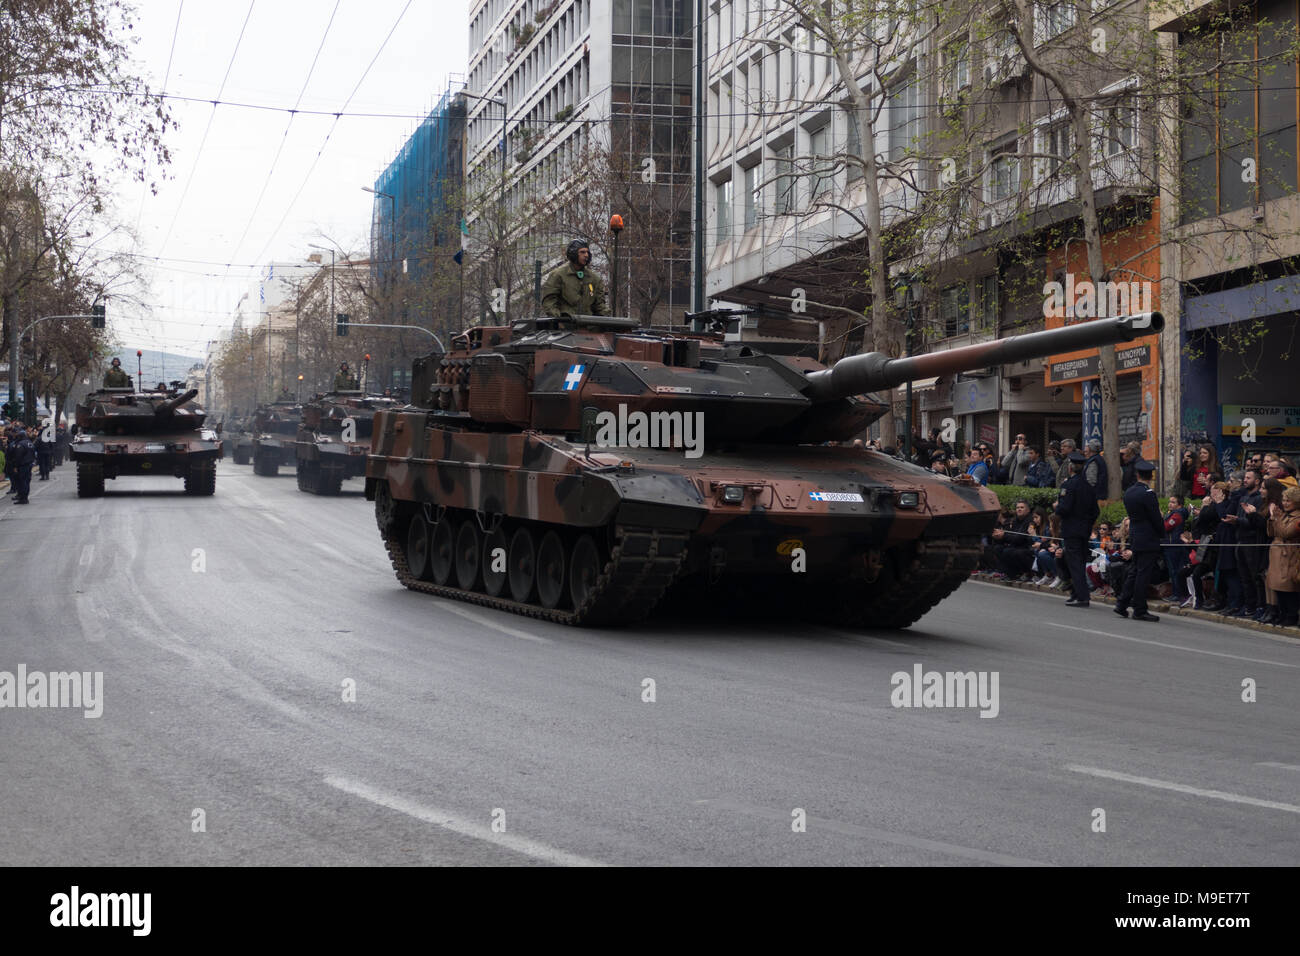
(1069, 295)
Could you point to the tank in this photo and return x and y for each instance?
(275, 427)
(123, 432)
(238, 438)
(333, 439)
(585, 470)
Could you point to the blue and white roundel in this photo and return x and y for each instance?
(574, 378)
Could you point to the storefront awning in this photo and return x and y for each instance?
(920, 385)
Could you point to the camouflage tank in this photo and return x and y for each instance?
(275, 426)
(526, 481)
(333, 439)
(123, 432)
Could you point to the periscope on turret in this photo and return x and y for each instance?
(518, 478)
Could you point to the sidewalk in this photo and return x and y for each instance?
(1160, 606)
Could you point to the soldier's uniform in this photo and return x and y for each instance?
(1146, 529)
(116, 378)
(570, 291)
(343, 382)
(1077, 508)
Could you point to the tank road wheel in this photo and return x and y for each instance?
(442, 552)
(385, 509)
(329, 481)
(417, 548)
(469, 553)
(584, 570)
(201, 479)
(494, 582)
(521, 565)
(550, 570)
(90, 480)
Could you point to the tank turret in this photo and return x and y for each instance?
(170, 405)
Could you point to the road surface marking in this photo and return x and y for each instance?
(478, 829)
(1176, 647)
(882, 836)
(1183, 788)
(488, 622)
(271, 517)
(86, 552)
(1281, 766)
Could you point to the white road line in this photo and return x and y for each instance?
(1176, 647)
(488, 622)
(1280, 766)
(477, 829)
(881, 836)
(86, 552)
(1183, 788)
(272, 517)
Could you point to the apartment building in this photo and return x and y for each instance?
(1236, 295)
(786, 199)
(548, 79)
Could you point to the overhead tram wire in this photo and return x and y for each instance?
(284, 138)
(208, 129)
(333, 126)
(163, 92)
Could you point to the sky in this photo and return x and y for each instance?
(207, 210)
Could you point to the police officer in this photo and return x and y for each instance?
(45, 450)
(1146, 528)
(23, 455)
(573, 289)
(1077, 508)
(344, 380)
(115, 377)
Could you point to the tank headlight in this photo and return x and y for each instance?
(909, 499)
(733, 494)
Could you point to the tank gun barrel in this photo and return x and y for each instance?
(875, 371)
(169, 406)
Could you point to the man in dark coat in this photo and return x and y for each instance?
(1077, 508)
(1095, 469)
(1146, 528)
(1250, 522)
(24, 455)
(45, 451)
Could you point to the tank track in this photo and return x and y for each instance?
(914, 584)
(641, 567)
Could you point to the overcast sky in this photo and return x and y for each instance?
(210, 199)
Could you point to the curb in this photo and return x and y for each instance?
(1159, 606)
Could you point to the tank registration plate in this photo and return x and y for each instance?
(155, 449)
(835, 496)
(672, 389)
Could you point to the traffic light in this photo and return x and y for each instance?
(341, 324)
(97, 316)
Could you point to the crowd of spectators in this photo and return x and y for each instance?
(1230, 544)
(23, 451)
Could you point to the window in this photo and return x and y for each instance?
(725, 197)
(853, 148)
(956, 67)
(753, 196)
(954, 309)
(1057, 145)
(819, 153)
(785, 180)
(1052, 19)
(904, 118)
(1119, 126)
(1004, 172)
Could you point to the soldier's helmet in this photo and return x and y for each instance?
(574, 246)
(117, 362)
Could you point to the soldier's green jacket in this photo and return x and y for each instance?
(344, 383)
(564, 293)
(116, 378)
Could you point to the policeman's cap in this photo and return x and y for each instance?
(1077, 457)
(1144, 467)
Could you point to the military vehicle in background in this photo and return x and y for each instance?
(333, 439)
(238, 437)
(577, 469)
(124, 432)
(275, 428)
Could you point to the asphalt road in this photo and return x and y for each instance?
(226, 628)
